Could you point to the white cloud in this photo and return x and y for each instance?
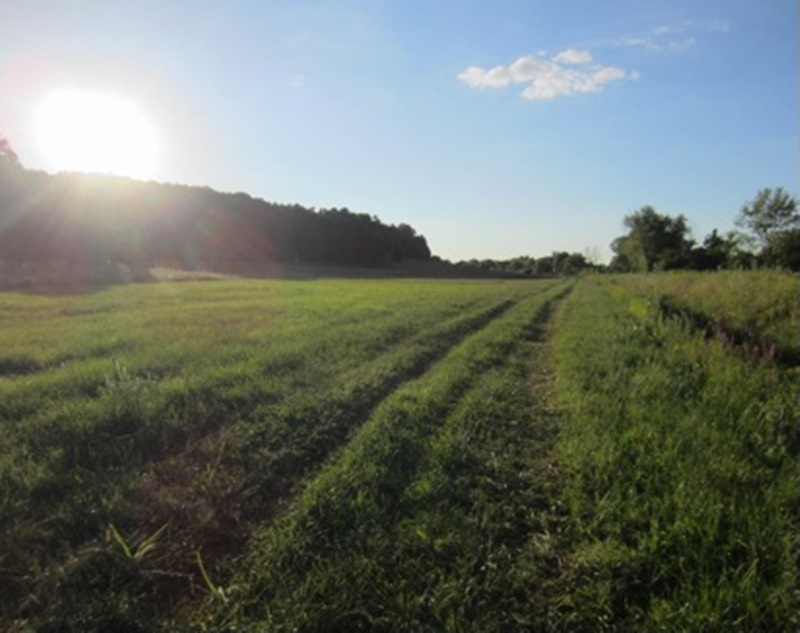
(643, 42)
(571, 56)
(678, 37)
(567, 73)
(477, 77)
(659, 44)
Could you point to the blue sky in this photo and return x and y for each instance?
(496, 128)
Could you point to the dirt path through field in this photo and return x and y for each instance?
(544, 567)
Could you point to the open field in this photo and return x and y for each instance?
(397, 455)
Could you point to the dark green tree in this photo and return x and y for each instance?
(654, 242)
(783, 250)
(716, 252)
(75, 217)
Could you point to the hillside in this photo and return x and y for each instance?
(106, 221)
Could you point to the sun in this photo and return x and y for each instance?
(90, 132)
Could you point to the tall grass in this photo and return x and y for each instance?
(683, 464)
(761, 307)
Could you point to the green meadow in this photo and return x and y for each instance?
(592, 454)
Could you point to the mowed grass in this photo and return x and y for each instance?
(682, 459)
(146, 423)
(399, 456)
(434, 517)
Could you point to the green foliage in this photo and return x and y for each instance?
(138, 550)
(783, 250)
(80, 227)
(715, 253)
(559, 263)
(654, 242)
(771, 212)
(772, 224)
(759, 308)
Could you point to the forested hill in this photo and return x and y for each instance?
(79, 218)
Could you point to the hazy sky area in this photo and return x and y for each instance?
(495, 128)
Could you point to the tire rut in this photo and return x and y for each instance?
(397, 442)
(206, 502)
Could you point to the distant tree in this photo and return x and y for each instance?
(772, 224)
(591, 254)
(13, 181)
(560, 259)
(769, 213)
(10, 167)
(563, 263)
(653, 242)
(783, 250)
(102, 219)
(544, 266)
(624, 259)
(716, 252)
(405, 229)
(7, 155)
(575, 263)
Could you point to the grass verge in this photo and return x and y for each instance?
(683, 466)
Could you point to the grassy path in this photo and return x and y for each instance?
(439, 514)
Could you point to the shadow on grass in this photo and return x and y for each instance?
(399, 270)
(64, 278)
(54, 279)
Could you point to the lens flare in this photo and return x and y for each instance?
(88, 132)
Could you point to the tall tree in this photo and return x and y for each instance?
(654, 241)
(770, 212)
(717, 251)
(772, 224)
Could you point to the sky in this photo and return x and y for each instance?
(495, 128)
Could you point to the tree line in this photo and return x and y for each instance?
(767, 235)
(100, 218)
(558, 263)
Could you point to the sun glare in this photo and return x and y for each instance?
(87, 132)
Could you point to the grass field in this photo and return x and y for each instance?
(759, 309)
(401, 455)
